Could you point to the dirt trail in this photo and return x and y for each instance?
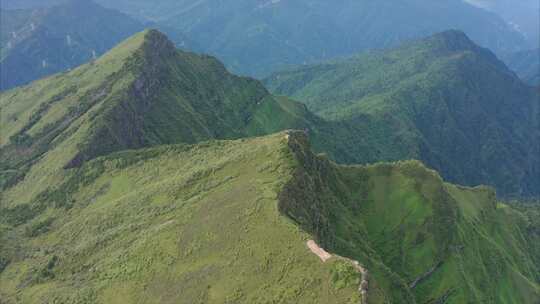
(325, 256)
(321, 253)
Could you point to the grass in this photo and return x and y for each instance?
(227, 222)
(185, 224)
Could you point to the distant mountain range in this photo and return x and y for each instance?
(39, 42)
(252, 38)
(115, 190)
(258, 37)
(526, 64)
(442, 100)
(522, 15)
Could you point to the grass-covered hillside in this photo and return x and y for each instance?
(228, 221)
(174, 224)
(39, 42)
(442, 100)
(142, 93)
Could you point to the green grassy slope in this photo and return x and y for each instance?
(175, 224)
(424, 240)
(443, 100)
(227, 222)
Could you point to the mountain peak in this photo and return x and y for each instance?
(153, 41)
(452, 40)
(154, 36)
(150, 44)
(455, 41)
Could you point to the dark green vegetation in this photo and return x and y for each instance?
(442, 100)
(39, 42)
(258, 37)
(188, 219)
(424, 241)
(526, 64)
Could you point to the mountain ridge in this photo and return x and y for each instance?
(292, 196)
(142, 93)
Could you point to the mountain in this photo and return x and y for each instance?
(442, 100)
(115, 190)
(522, 15)
(258, 37)
(526, 64)
(40, 42)
(144, 92)
(231, 221)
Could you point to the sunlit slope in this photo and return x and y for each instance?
(228, 221)
(175, 224)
